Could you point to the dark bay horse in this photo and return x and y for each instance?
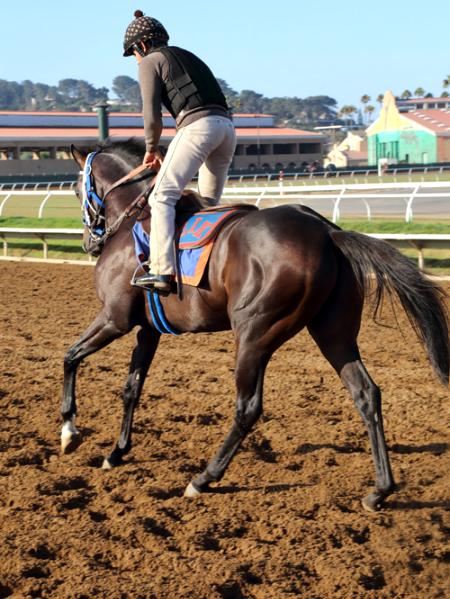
(271, 273)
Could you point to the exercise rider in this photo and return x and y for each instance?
(204, 142)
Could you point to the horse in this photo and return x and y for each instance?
(271, 273)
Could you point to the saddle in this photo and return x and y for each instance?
(196, 231)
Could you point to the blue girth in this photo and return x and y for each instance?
(160, 321)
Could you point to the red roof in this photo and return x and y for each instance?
(424, 100)
(436, 120)
(83, 133)
(112, 113)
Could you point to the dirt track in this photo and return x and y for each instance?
(286, 520)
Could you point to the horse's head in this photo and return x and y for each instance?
(103, 188)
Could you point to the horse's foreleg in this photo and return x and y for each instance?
(147, 342)
(99, 334)
(249, 373)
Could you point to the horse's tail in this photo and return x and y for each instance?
(422, 299)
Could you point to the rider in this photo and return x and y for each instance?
(204, 142)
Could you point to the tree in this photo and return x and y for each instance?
(364, 100)
(380, 98)
(128, 92)
(406, 95)
(446, 82)
(230, 94)
(347, 111)
(250, 101)
(419, 92)
(369, 109)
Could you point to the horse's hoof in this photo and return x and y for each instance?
(372, 503)
(191, 491)
(70, 438)
(107, 465)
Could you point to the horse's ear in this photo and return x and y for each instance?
(79, 156)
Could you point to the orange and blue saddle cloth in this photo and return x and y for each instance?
(195, 241)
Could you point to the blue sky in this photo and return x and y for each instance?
(290, 48)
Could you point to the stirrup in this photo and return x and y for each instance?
(157, 282)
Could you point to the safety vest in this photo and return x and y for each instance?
(190, 84)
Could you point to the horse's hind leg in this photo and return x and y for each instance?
(147, 342)
(335, 331)
(249, 374)
(99, 334)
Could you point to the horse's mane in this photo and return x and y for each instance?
(131, 150)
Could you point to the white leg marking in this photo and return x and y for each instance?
(70, 437)
(191, 491)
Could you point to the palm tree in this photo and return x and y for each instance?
(346, 111)
(419, 92)
(406, 95)
(364, 100)
(446, 81)
(369, 110)
(380, 98)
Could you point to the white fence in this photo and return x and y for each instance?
(329, 199)
(337, 195)
(418, 242)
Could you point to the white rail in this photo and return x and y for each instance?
(337, 197)
(406, 193)
(418, 242)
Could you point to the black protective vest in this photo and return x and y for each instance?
(191, 83)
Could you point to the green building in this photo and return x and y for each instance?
(413, 137)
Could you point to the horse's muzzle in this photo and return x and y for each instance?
(90, 246)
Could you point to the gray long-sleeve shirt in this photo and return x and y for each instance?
(153, 72)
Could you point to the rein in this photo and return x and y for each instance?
(99, 235)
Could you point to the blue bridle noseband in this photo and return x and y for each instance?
(93, 205)
(91, 202)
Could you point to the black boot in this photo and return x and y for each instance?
(158, 282)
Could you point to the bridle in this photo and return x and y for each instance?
(93, 206)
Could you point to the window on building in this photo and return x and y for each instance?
(311, 148)
(253, 150)
(285, 148)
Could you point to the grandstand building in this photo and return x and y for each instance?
(38, 143)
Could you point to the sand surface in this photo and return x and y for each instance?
(286, 521)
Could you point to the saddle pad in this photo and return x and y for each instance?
(201, 227)
(191, 263)
(195, 243)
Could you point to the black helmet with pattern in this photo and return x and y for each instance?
(141, 29)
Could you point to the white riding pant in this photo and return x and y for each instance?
(205, 146)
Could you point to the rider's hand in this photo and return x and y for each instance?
(153, 160)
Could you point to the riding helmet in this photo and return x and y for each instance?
(141, 29)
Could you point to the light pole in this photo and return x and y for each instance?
(258, 142)
(103, 124)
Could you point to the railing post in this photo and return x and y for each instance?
(42, 206)
(2, 205)
(336, 212)
(409, 210)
